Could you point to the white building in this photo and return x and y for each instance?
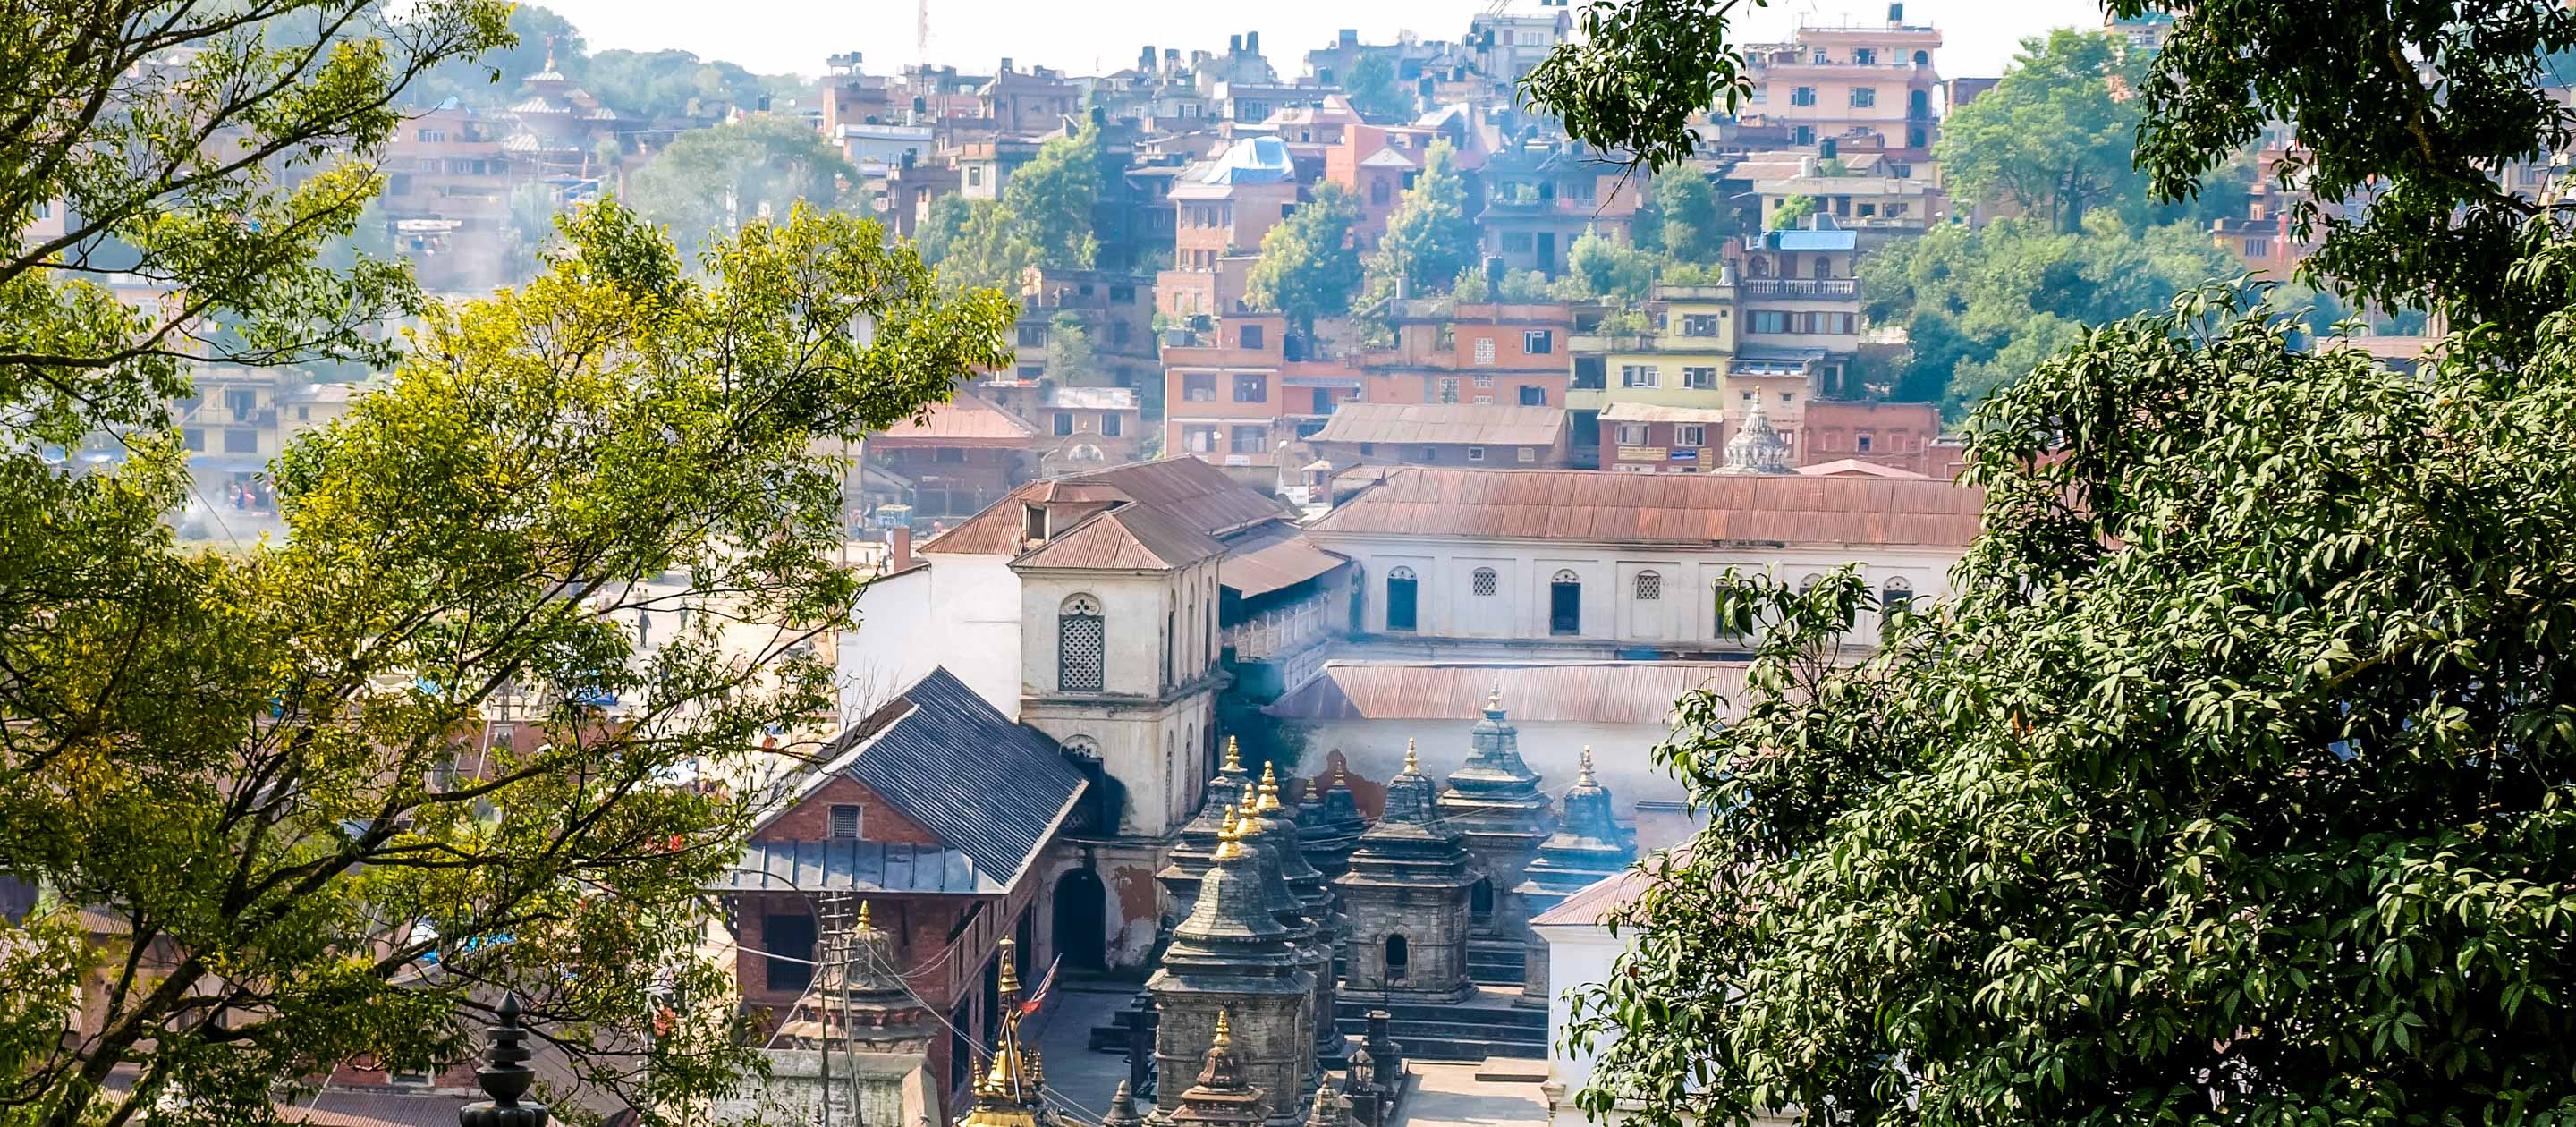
(1095, 607)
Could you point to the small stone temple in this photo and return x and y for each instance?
(1196, 848)
(1223, 1095)
(1232, 956)
(1279, 835)
(1406, 897)
(1587, 847)
(1329, 823)
(1494, 803)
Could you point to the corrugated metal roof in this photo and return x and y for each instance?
(967, 419)
(1617, 508)
(1271, 557)
(1854, 467)
(991, 790)
(844, 864)
(1198, 494)
(1606, 692)
(1473, 424)
(1130, 538)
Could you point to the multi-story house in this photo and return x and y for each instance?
(1443, 434)
(1507, 44)
(1677, 357)
(1378, 164)
(1855, 80)
(1799, 302)
(1221, 208)
(448, 182)
(1877, 208)
(1027, 103)
(1114, 310)
(1241, 402)
(1449, 351)
(958, 457)
(1540, 197)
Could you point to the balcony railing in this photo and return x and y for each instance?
(1282, 631)
(1837, 288)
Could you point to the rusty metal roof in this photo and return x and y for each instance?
(1619, 508)
(1470, 424)
(1198, 495)
(1602, 692)
(1854, 467)
(1131, 538)
(965, 421)
(1272, 557)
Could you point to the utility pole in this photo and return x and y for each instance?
(831, 975)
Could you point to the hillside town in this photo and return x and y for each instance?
(1248, 706)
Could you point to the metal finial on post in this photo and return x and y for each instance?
(505, 1077)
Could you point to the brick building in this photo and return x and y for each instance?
(958, 457)
(1443, 434)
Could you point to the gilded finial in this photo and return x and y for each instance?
(1251, 801)
(1010, 983)
(1229, 840)
(1412, 759)
(864, 925)
(1224, 1030)
(1233, 755)
(1269, 795)
(1583, 774)
(1494, 699)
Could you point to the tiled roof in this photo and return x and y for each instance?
(1617, 508)
(1597, 692)
(964, 420)
(989, 789)
(1599, 899)
(1474, 424)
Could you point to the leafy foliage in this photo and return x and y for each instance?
(2050, 137)
(1791, 215)
(2231, 785)
(1374, 90)
(1052, 195)
(1598, 266)
(1430, 239)
(661, 85)
(1309, 266)
(709, 182)
(1980, 306)
(1070, 359)
(1639, 74)
(1692, 226)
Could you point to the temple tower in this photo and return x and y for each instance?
(1495, 803)
(1315, 901)
(1406, 897)
(1329, 823)
(1233, 956)
(1588, 847)
(1196, 849)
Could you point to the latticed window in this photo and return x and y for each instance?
(1082, 645)
(1650, 586)
(1483, 583)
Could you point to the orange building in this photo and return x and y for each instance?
(1241, 400)
(1448, 351)
(1836, 82)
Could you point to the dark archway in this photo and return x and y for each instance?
(1480, 899)
(1082, 920)
(1398, 959)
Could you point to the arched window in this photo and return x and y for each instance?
(1565, 603)
(1758, 266)
(1484, 583)
(1895, 597)
(1824, 267)
(1082, 646)
(1480, 899)
(1402, 591)
(1398, 959)
(1650, 586)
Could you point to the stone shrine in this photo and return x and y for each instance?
(1278, 834)
(1406, 897)
(1587, 848)
(1231, 956)
(1495, 803)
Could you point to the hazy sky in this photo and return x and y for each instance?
(795, 35)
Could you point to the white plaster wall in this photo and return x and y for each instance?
(962, 612)
(1137, 607)
(1684, 612)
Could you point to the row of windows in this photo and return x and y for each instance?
(1685, 434)
(1432, 453)
(1446, 391)
(1565, 595)
(1649, 375)
(1779, 321)
(1109, 424)
(1253, 439)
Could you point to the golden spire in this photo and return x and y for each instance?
(1229, 840)
(1412, 759)
(1251, 801)
(1010, 983)
(864, 925)
(1224, 1029)
(1269, 789)
(1233, 755)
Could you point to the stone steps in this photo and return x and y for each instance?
(1490, 1024)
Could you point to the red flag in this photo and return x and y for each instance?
(1038, 996)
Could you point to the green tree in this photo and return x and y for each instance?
(1981, 305)
(2232, 783)
(709, 182)
(492, 79)
(2053, 136)
(669, 84)
(1598, 266)
(1375, 91)
(1052, 196)
(2407, 120)
(1692, 228)
(1793, 214)
(1429, 239)
(1070, 359)
(989, 249)
(1309, 267)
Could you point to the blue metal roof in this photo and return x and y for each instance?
(1803, 239)
(1253, 160)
